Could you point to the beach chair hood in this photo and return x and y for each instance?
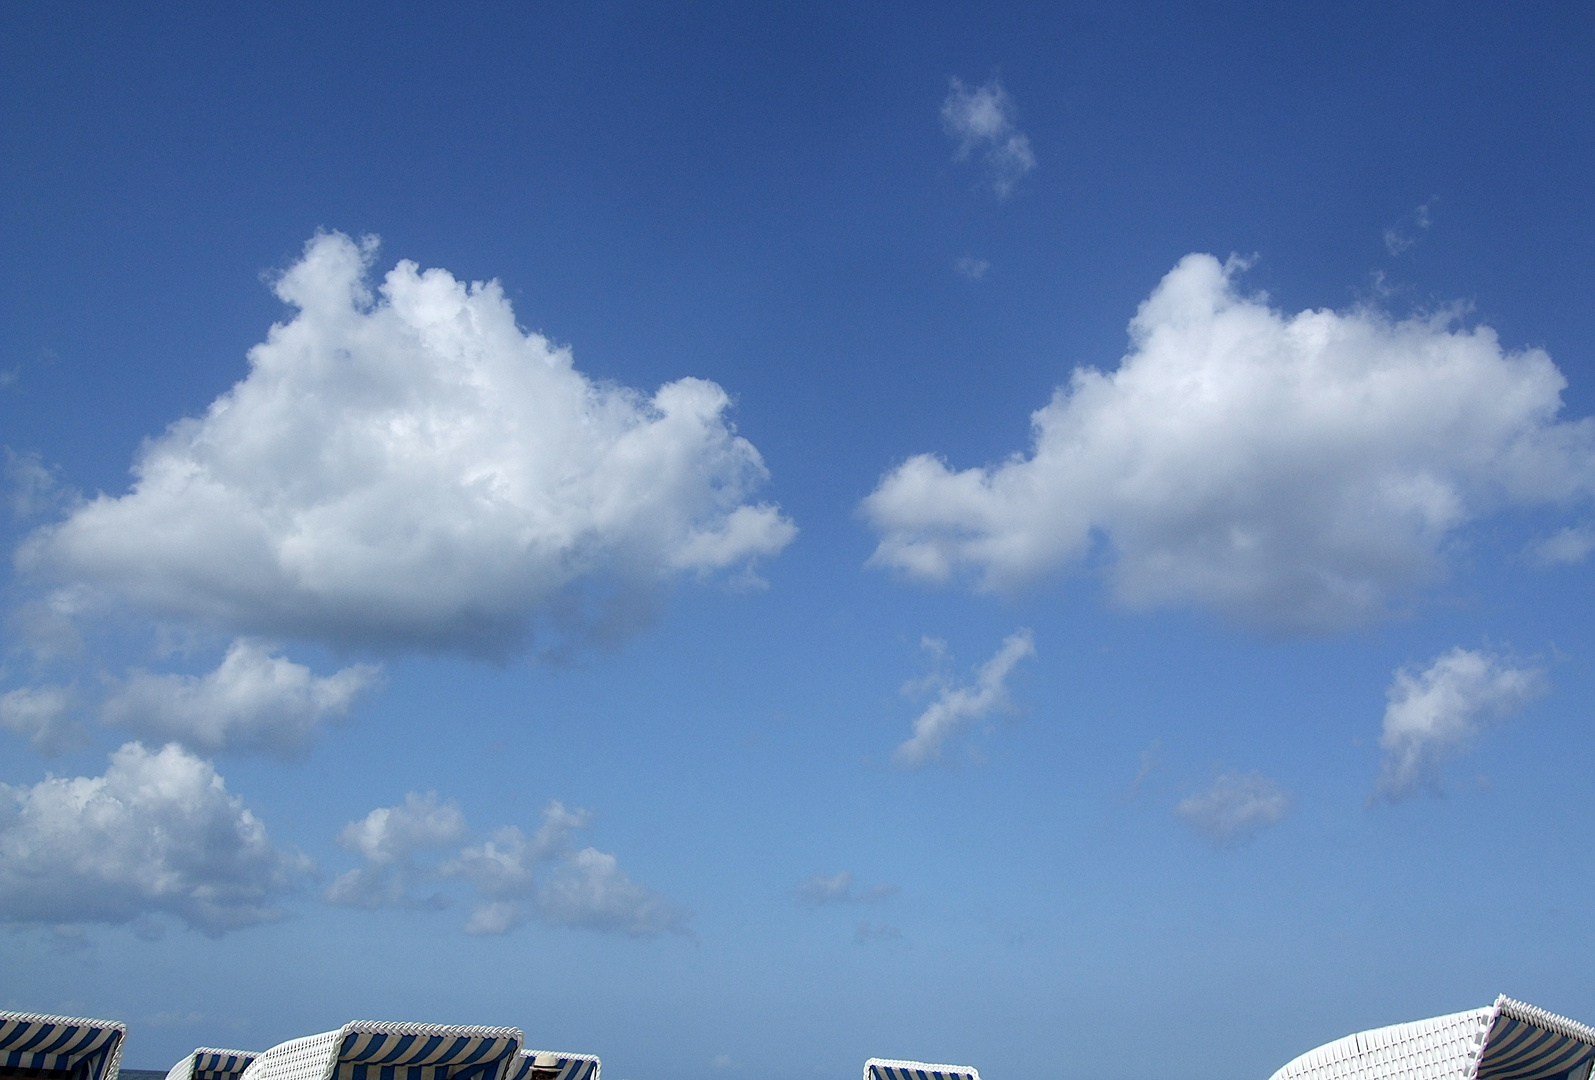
(1505, 1041)
(889, 1069)
(378, 1050)
(87, 1049)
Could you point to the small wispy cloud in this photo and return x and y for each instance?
(867, 932)
(972, 268)
(32, 488)
(44, 715)
(839, 889)
(517, 877)
(1150, 758)
(956, 707)
(982, 119)
(1563, 547)
(1399, 238)
(1435, 714)
(1235, 808)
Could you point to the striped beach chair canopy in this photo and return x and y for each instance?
(1505, 1041)
(209, 1063)
(59, 1047)
(553, 1065)
(376, 1050)
(887, 1069)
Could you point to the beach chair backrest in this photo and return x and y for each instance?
(554, 1065)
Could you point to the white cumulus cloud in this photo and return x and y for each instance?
(1436, 713)
(252, 701)
(956, 707)
(982, 120)
(1235, 808)
(409, 467)
(588, 889)
(389, 838)
(1294, 472)
(158, 833)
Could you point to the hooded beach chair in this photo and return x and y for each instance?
(887, 1069)
(379, 1050)
(553, 1065)
(59, 1047)
(1505, 1041)
(209, 1063)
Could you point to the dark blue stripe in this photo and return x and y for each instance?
(397, 1053)
(42, 1033)
(487, 1044)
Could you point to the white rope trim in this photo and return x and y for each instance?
(46, 1018)
(458, 1031)
(1533, 1014)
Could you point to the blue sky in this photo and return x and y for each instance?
(1042, 538)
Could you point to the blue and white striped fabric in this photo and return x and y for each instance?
(563, 1066)
(393, 1055)
(88, 1049)
(885, 1069)
(209, 1063)
(1517, 1048)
